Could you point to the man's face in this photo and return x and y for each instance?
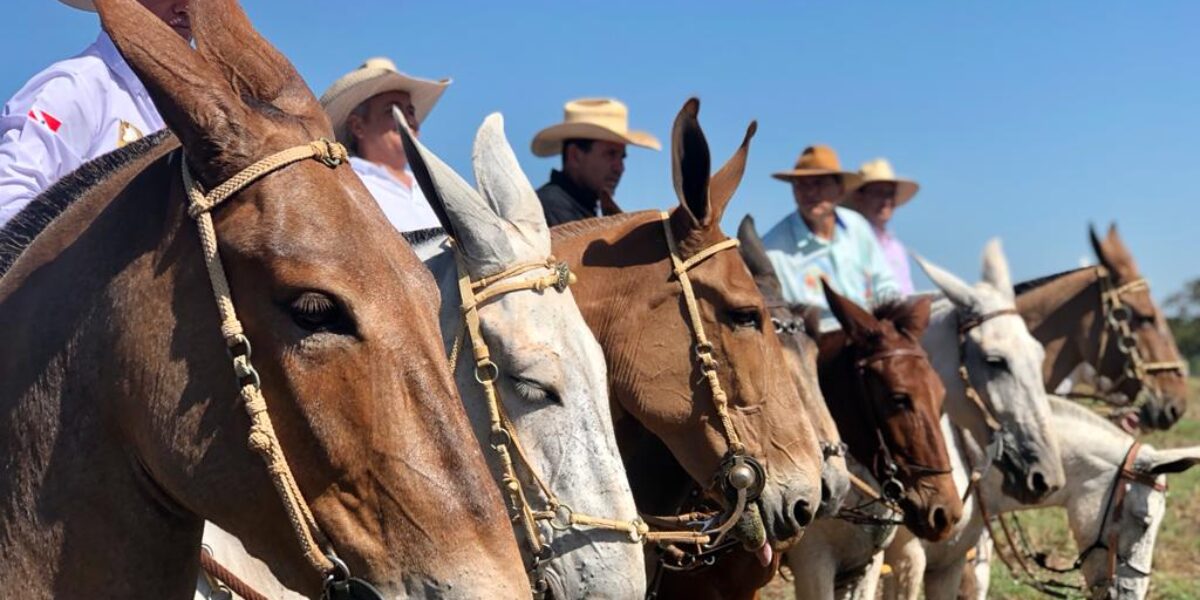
(173, 13)
(817, 196)
(598, 169)
(378, 139)
(877, 201)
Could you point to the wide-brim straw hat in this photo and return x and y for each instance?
(603, 119)
(880, 170)
(87, 5)
(817, 160)
(374, 77)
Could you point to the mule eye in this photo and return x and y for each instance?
(746, 317)
(315, 311)
(997, 362)
(533, 391)
(903, 400)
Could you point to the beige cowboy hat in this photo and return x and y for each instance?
(374, 77)
(880, 170)
(87, 5)
(602, 119)
(819, 160)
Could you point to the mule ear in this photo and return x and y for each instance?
(1175, 460)
(753, 250)
(691, 164)
(1098, 247)
(725, 182)
(251, 65)
(464, 215)
(995, 268)
(916, 318)
(860, 325)
(955, 289)
(504, 184)
(192, 95)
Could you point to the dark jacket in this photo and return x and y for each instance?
(563, 201)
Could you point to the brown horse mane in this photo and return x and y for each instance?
(1033, 284)
(421, 236)
(24, 228)
(896, 310)
(585, 226)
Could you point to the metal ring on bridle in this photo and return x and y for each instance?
(563, 519)
(489, 369)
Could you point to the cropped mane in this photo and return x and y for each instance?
(1062, 406)
(20, 232)
(576, 228)
(1033, 284)
(893, 309)
(422, 236)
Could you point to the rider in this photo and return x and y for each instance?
(360, 107)
(823, 240)
(591, 140)
(74, 111)
(878, 196)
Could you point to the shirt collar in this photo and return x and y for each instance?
(804, 235)
(363, 165)
(585, 198)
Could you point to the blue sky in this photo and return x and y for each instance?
(1023, 120)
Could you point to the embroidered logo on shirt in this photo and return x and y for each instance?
(127, 134)
(45, 119)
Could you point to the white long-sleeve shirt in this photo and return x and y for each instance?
(72, 112)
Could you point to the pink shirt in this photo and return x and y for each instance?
(897, 258)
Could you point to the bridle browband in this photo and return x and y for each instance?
(337, 580)
(504, 441)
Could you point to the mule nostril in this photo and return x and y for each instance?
(803, 513)
(1037, 483)
(826, 492)
(1172, 413)
(939, 520)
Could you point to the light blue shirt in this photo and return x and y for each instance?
(852, 261)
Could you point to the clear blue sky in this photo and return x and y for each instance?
(1023, 120)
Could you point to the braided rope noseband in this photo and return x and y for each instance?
(503, 435)
(262, 437)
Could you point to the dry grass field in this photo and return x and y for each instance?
(1177, 553)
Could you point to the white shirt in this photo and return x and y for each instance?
(74, 111)
(406, 207)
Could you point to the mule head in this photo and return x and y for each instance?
(552, 377)
(1135, 526)
(890, 415)
(1165, 389)
(1004, 362)
(797, 327)
(763, 401)
(342, 317)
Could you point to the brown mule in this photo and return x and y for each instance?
(887, 401)
(632, 300)
(1087, 316)
(122, 430)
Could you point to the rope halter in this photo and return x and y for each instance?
(739, 472)
(504, 441)
(262, 437)
(1117, 315)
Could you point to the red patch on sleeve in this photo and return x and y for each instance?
(46, 119)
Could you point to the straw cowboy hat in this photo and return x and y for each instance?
(87, 5)
(374, 77)
(819, 160)
(602, 119)
(880, 170)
